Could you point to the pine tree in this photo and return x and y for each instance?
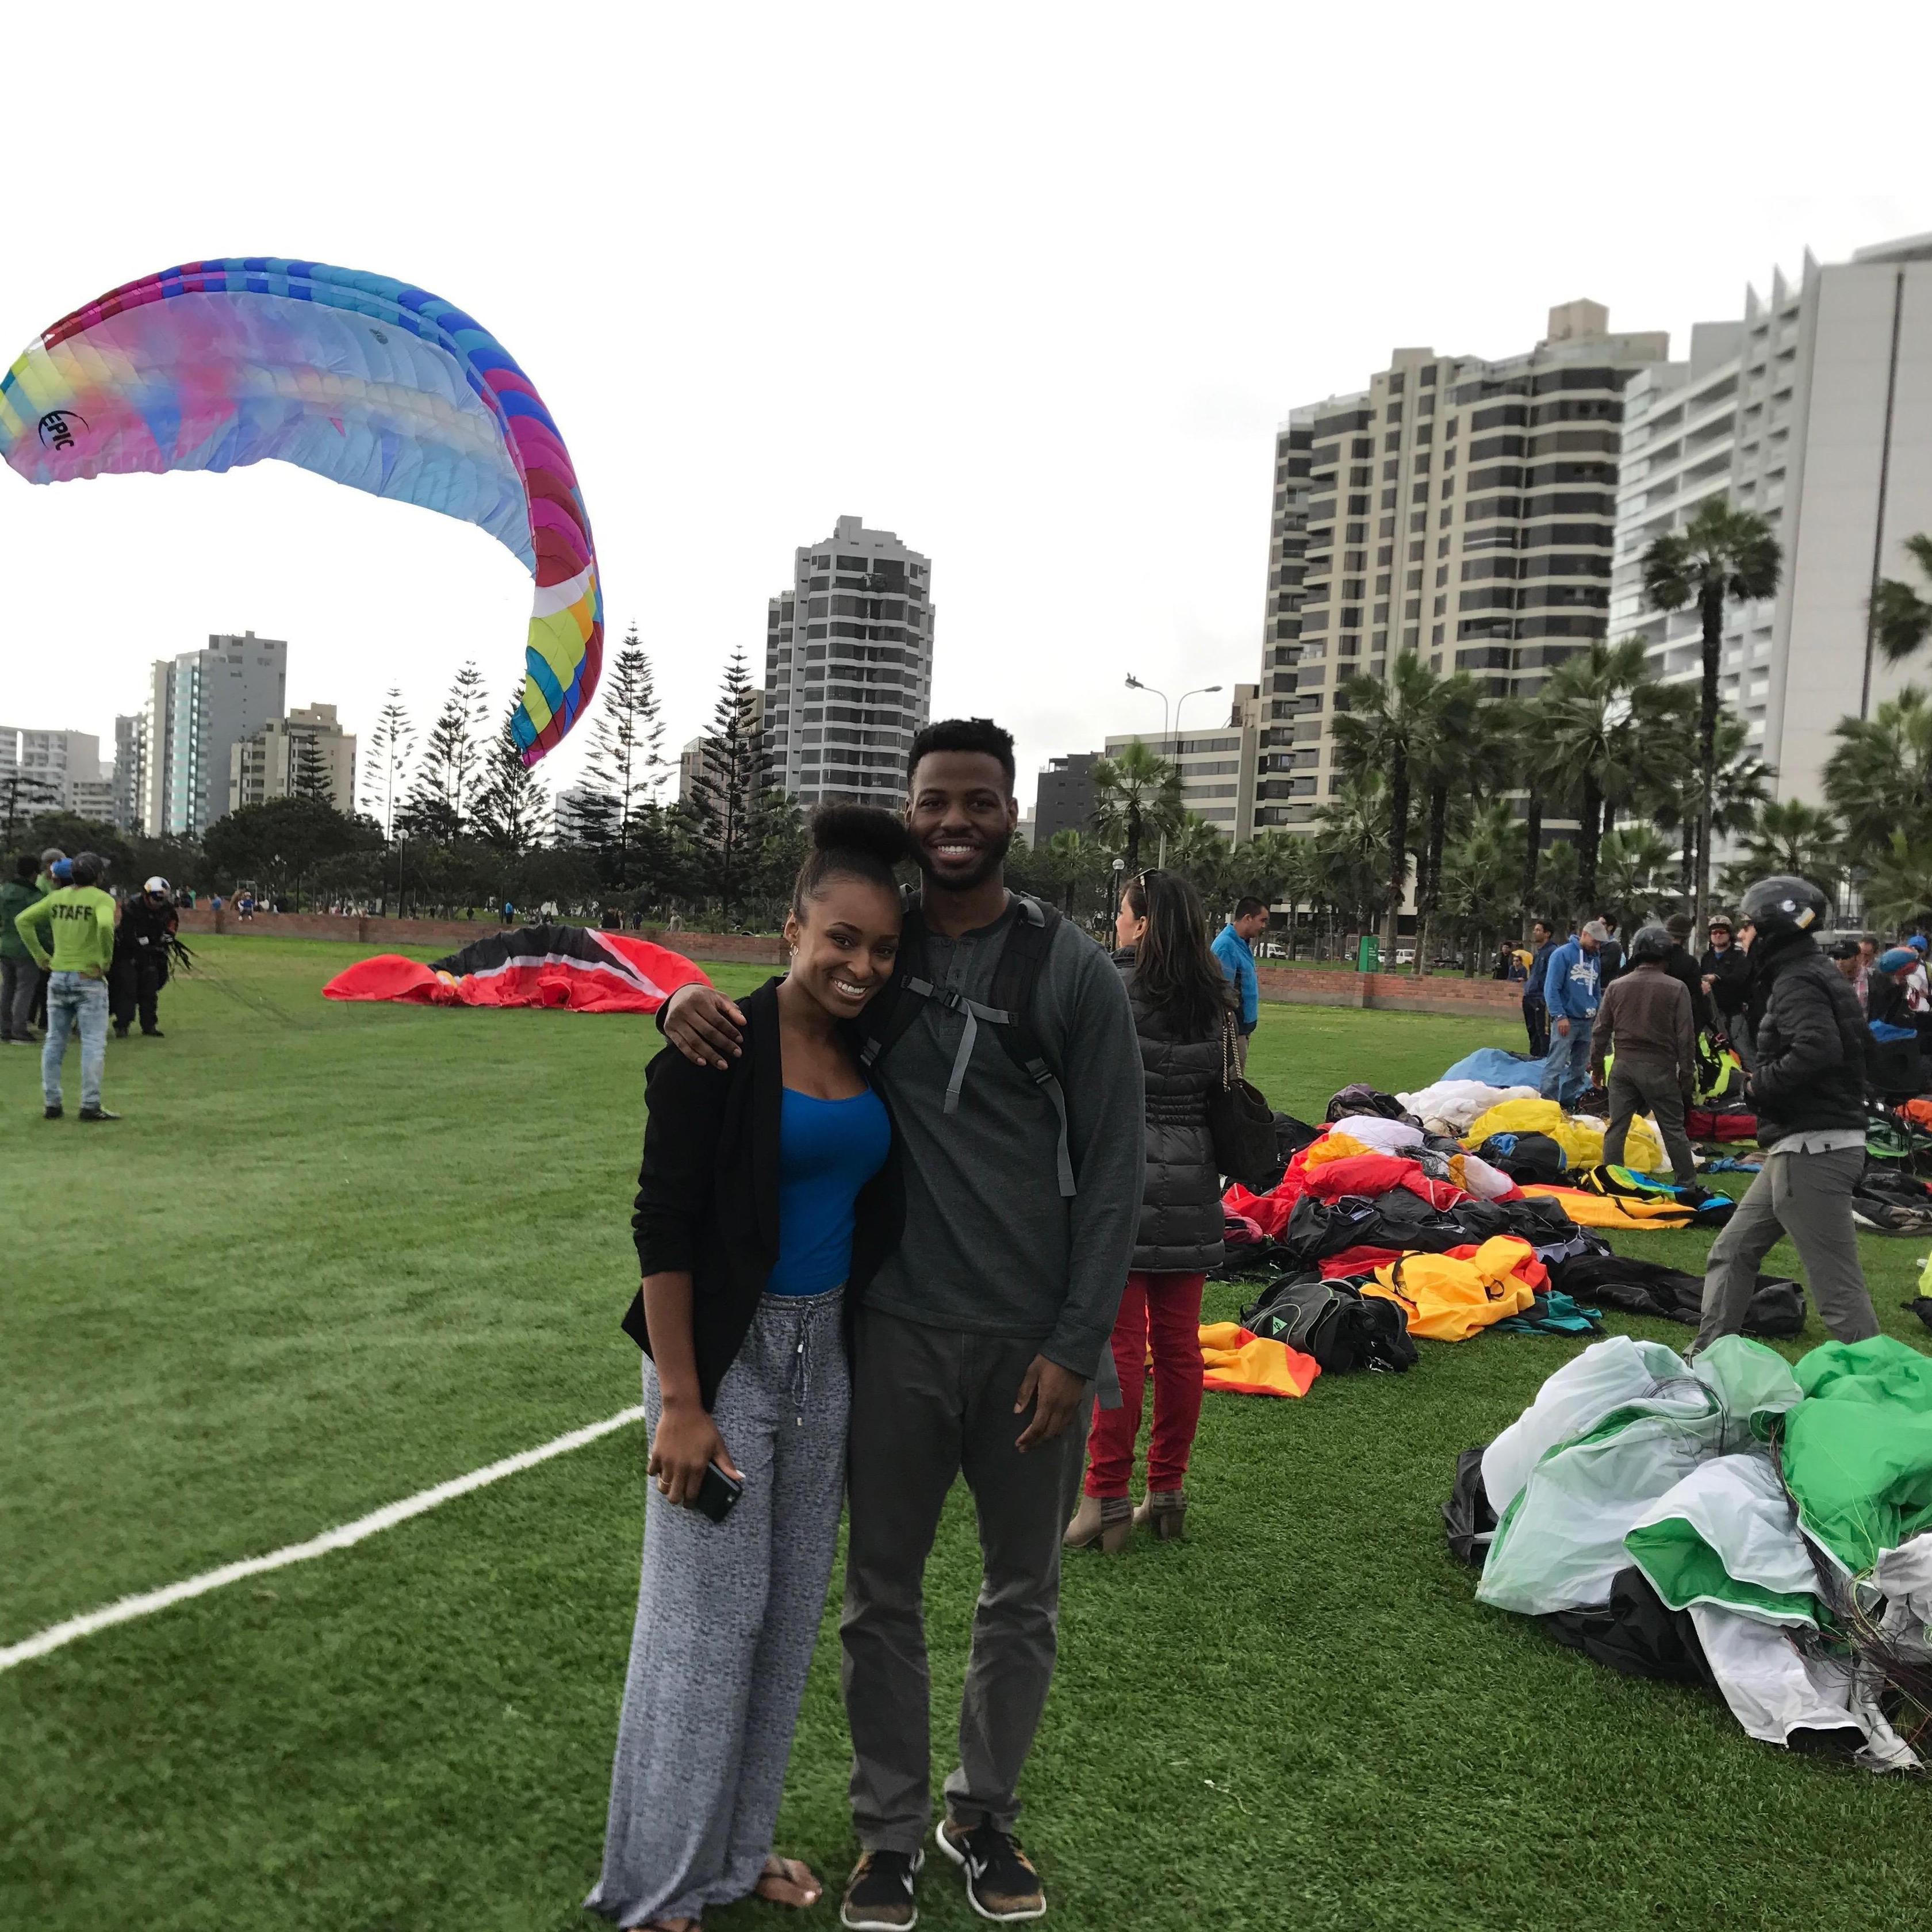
(311, 777)
(626, 761)
(512, 803)
(450, 772)
(390, 745)
(725, 791)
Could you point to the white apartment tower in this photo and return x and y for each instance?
(848, 667)
(1814, 410)
(1460, 509)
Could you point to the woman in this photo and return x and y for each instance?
(1182, 1012)
(769, 1192)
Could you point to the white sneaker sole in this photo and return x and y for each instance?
(958, 1858)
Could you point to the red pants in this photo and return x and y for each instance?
(1163, 1310)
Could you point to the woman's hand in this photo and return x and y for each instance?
(687, 1439)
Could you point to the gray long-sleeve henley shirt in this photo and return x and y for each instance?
(990, 1246)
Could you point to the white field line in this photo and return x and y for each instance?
(340, 1537)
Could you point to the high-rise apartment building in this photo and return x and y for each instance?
(131, 751)
(1064, 800)
(1217, 766)
(1460, 508)
(848, 667)
(1814, 410)
(200, 705)
(58, 770)
(268, 763)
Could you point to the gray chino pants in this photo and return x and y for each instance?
(1808, 1196)
(928, 1405)
(1641, 1080)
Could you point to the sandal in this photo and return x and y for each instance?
(790, 1882)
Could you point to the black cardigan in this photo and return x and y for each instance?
(708, 1192)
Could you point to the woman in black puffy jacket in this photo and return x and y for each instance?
(1180, 1001)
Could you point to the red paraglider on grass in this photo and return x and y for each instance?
(572, 967)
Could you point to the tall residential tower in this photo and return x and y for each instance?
(200, 705)
(848, 667)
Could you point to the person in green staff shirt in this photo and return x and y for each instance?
(79, 918)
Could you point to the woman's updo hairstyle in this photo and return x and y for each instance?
(850, 842)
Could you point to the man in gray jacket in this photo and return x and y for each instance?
(1643, 1030)
(976, 1346)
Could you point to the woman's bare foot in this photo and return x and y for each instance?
(789, 1882)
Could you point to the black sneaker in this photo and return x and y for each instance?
(98, 1113)
(52, 1113)
(1001, 1884)
(879, 1895)
(152, 1032)
(120, 1033)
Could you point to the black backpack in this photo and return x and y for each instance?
(1015, 975)
(1342, 1330)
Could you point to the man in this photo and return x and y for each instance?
(52, 875)
(1644, 1030)
(1725, 972)
(1569, 992)
(19, 977)
(1535, 1014)
(1609, 952)
(1234, 947)
(80, 917)
(143, 946)
(1681, 963)
(1807, 1085)
(1869, 949)
(976, 1345)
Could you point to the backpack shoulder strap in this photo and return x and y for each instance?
(887, 1018)
(1016, 979)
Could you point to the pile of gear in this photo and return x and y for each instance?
(1731, 1523)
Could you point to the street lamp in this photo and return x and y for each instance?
(1135, 684)
(1120, 866)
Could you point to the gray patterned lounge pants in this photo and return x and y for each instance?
(728, 1614)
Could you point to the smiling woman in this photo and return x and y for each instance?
(769, 1189)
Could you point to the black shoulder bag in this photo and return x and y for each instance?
(1240, 1121)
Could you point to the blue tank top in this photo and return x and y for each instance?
(828, 1150)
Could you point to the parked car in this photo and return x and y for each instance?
(1405, 955)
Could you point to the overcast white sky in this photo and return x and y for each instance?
(1031, 285)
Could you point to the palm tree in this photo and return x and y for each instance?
(1898, 880)
(1073, 862)
(1634, 873)
(1608, 726)
(1794, 838)
(1387, 725)
(1202, 857)
(1521, 746)
(1741, 791)
(1352, 843)
(1135, 794)
(1879, 779)
(1457, 751)
(1901, 619)
(1721, 553)
(1481, 870)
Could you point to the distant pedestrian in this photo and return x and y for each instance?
(1535, 1014)
(1644, 1035)
(79, 918)
(1727, 976)
(1570, 992)
(1870, 947)
(1681, 964)
(1234, 949)
(1609, 953)
(52, 876)
(19, 977)
(1807, 1085)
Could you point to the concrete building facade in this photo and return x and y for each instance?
(200, 705)
(131, 753)
(848, 667)
(1460, 508)
(1217, 766)
(268, 763)
(1814, 410)
(1064, 801)
(58, 770)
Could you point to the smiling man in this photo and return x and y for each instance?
(1006, 1051)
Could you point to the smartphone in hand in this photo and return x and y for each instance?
(717, 1495)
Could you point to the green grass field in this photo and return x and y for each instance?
(335, 1255)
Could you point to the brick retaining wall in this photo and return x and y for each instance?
(1394, 992)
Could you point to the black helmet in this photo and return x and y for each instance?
(88, 867)
(1653, 942)
(1782, 904)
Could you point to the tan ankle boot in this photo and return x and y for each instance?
(1106, 1522)
(1163, 1511)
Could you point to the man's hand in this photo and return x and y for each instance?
(1563, 1026)
(1056, 1394)
(704, 1026)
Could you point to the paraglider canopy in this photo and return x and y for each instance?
(366, 381)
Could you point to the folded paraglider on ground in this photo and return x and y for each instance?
(1732, 1523)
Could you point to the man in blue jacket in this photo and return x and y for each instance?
(1570, 991)
(1235, 948)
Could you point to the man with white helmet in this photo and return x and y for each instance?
(144, 945)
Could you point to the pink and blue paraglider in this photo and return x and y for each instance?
(366, 381)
